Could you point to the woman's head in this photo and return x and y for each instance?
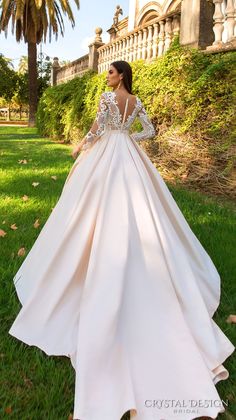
(120, 73)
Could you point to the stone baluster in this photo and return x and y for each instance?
(121, 49)
(140, 38)
(149, 42)
(161, 39)
(144, 44)
(135, 55)
(124, 46)
(113, 54)
(117, 50)
(104, 59)
(127, 49)
(168, 33)
(218, 18)
(99, 61)
(127, 54)
(155, 40)
(176, 25)
(107, 57)
(131, 48)
(230, 12)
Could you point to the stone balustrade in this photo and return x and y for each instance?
(71, 70)
(224, 23)
(146, 42)
(211, 28)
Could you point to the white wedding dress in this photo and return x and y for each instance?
(118, 282)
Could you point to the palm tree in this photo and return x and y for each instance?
(23, 64)
(31, 20)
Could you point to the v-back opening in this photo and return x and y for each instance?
(121, 114)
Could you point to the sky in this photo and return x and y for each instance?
(74, 44)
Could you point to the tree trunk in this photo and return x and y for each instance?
(33, 88)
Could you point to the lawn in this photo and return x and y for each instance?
(33, 385)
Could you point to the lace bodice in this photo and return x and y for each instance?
(109, 117)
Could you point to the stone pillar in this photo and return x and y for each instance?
(55, 68)
(197, 23)
(93, 50)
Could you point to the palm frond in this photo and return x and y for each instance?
(34, 19)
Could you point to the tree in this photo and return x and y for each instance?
(23, 65)
(21, 97)
(31, 20)
(8, 80)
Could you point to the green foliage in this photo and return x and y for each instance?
(8, 79)
(190, 96)
(67, 110)
(185, 88)
(38, 387)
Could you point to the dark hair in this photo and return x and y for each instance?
(124, 67)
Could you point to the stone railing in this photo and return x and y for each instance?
(211, 28)
(224, 24)
(146, 42)
(71, 70)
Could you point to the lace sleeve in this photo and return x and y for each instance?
(148, 128)
(98, 126)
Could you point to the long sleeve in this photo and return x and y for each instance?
(148, 128)
(98, 126)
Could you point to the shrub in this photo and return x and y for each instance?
(189, 95)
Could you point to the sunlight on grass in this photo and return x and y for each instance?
(34, 386)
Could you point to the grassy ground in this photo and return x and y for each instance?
(33, 385)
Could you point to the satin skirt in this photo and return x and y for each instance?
(118, 282)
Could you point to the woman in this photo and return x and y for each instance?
(118, 282)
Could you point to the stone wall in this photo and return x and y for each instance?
(149, 30)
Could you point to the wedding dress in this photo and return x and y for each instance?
(118, 282)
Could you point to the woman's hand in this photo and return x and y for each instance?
(77, 149)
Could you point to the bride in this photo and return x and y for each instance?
(118, 282)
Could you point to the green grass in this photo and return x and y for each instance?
(32, 384)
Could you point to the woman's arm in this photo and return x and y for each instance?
(97, 128)
(148, 128)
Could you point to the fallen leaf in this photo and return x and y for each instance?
(2, 232)
(54, 177)
(8, 410)
(4, 221)
(28, 382)
(21, 251)
(35, 184)
(14, 227)
(36, 223)
(231, 319)
(25, 197)
(24, 161)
